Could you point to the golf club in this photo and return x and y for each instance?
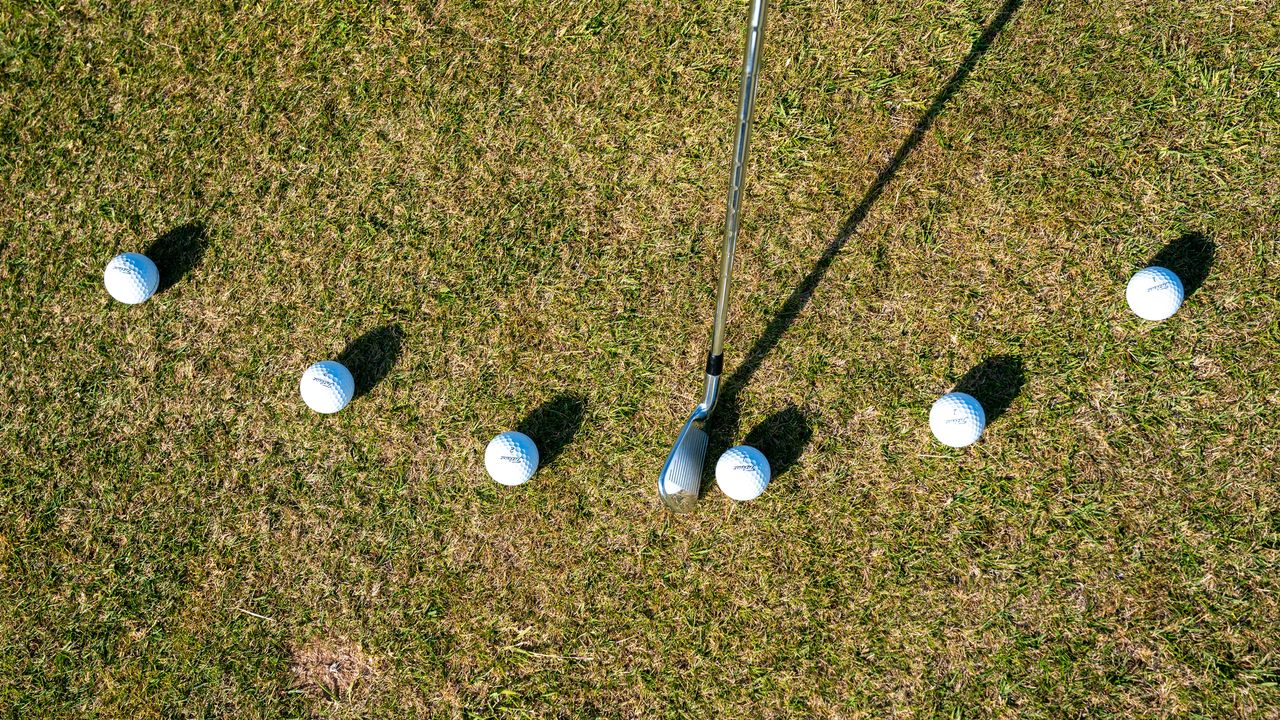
(681, 476)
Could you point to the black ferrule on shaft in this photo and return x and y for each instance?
(715, 363)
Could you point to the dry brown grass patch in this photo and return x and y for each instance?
(336, 669)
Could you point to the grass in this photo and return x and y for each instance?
(507, 213)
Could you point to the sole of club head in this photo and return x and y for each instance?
(682, 475)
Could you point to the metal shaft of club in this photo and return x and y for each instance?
(750, 72)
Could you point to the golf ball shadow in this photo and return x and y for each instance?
(554, 424)
(995, 383)
(371, 356)
(1190, 257)
(782, 437)
(177, 253)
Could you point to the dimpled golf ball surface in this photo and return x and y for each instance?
(742, 473)
(131, 278)
(1154, 293)
(511, 458)
(957, 419)
(327, 386)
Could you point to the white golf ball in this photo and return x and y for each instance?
(327, 386)
(957, 419)
(742, 473)
(131, 278)
(1154, 293)
(511, 458)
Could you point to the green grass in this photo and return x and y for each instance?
(532, 194)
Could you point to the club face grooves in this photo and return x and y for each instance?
(681, 477)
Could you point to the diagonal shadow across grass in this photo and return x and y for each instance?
(724, 423)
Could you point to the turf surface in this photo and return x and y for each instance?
(506, 214)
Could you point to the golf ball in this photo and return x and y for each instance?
(131, 278)
(1154, 293)
(957, 419)
(511, 458)
(742, 473)
(327, 386)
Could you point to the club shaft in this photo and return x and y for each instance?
(737, 177)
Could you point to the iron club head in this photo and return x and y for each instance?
(681, 476)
